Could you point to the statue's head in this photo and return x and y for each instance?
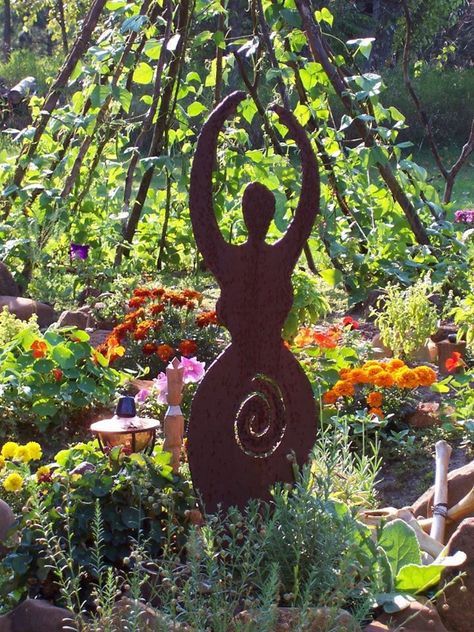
(258, 207)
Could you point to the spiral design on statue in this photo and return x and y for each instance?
(260, 423)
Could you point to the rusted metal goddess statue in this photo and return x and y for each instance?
(255, 405)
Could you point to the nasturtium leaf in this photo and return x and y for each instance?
(44, 409)
(63, 356)
(43, 365)
(143, 73)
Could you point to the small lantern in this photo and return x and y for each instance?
(135, 434)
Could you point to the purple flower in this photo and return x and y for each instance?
(79, 251)
(142, 395)
(160, 385)
(465, 216)
(193, 370)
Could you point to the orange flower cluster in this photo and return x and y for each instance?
(142, 325)
(391, 374)
(310, 337)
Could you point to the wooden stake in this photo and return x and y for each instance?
(174, 420)
(440, 500)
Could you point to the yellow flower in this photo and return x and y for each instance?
(2, 462)
(13, 482)
(394, 364)
(34, 450)
(42, 472)
(22, 454)
(9, 449)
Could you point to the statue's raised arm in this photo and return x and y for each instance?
(308, 205)
(206, 230)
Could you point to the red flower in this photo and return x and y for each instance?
(157, 309)
(149, 348)
(142, 292)
(39, 349)
(136, 301)
(206, 318)
(453, 362)
(58, 374)
(157, 292)
(324, 341)
(187, 348)
(165, 352)
(348, 321)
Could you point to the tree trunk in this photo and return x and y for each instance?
(319, 51)
(79, 48)
(62, 25)
(7, 29)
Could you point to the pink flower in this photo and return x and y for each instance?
(193, 370)
(160, 385)
(142, 394)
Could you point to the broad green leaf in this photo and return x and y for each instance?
(196, 108)
(331, 276)
(400, 544)
(324, 16)
(43, 365)
(63, 356)
(417, 578)
(44, 409)
(143, 73)
(152, 49)
(364, 45)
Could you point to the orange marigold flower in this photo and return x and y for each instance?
(330, 397)
(394, 364)
(358, 376)
(149, 348)
(187, 348)
(454, 361)
(206, 318)
(137, 301)
(344, 374)
(177, 299)
(142, 292)
(377, 411)
(192, 294)
(165, 352)
(406, 378)
(39, 349)
(370, 363)
(343, 389)
(374, 399)
(425, 375)
(157, 308)
(373, 371)
(383, 378)
(157, 292)
(142, 329)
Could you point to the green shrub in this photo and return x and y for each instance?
(10, 326)
(406, 318)
(25, 63)
(47, 379)
(135, 494)
(309, 304)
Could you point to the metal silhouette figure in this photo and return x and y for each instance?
(255, 405)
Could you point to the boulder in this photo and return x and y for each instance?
(24, 308)
(379, 350)
(456, 605)
(80, 318)
(460, 482)
(37, 615)
(8, 287)
(418, 617)
(317, 620)
(426, 415)
(7, 520)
